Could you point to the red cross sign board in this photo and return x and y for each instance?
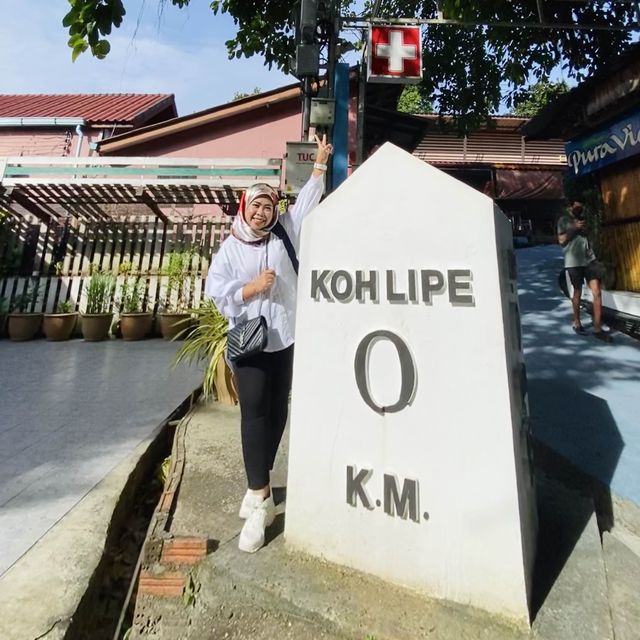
(395, 54)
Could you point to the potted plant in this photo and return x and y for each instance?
(23, 323)
(59, 325)
(179, 284)
(97, 318)
(207, 340)
(135, 323)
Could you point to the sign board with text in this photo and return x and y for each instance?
(299, 165)
(613, 143)
(409, 450)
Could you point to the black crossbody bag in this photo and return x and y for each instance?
(249, 337)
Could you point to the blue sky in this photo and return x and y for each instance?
(181, 52)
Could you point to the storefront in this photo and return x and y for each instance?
(600, 122)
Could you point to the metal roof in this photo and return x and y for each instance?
(123, 108)
(565, 117)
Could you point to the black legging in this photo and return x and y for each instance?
(264, 382)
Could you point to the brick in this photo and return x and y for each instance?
(167, 584)
(184, 551)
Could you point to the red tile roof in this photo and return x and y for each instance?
(123, 108)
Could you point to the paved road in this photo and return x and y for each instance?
(584, 395)
(69, 413)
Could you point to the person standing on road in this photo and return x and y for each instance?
(253, 274)
(580, 264)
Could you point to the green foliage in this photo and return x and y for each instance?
(412, 101)
(65, 307)
(469, 70)
(4, 305)
(9, 254)
(207, 341)
(87, 21)
(132, 293)
(99, 292)
(537, 97)
(239, 95)
(178, 269)
(24, 302)
(190, 592)
(162, 472)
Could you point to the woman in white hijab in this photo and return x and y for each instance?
(253, 274)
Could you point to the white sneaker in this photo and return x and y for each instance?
(249, 503)
(252, 534)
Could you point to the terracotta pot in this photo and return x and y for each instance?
(59, 326)
(96, 326)
(135, 326)
(171, 325)
(225, 384)
(24, 326)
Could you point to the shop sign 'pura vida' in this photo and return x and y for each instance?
(409, 451)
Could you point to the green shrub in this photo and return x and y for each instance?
(206, 341)
(99, 292)
(23, 302)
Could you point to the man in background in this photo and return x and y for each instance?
(580, 264)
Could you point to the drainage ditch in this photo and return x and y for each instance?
(111, 593)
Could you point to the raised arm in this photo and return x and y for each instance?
(310, 194)
(567, 229)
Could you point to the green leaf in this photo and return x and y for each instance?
(101, 49)
(79, 48)
(69, 19)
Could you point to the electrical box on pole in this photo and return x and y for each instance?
(322, 112)
(307, 59)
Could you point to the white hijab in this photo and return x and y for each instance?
(240, 228)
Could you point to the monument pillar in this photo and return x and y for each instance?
(409, 451)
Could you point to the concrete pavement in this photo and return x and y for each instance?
(69, 413)
(280, 593)
(581, 591)
(583, 394)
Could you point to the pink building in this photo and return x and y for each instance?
(524, 177)
(71, 124)
(254, 127)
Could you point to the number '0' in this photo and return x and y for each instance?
(407, 371)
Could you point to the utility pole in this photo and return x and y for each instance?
(306, 65)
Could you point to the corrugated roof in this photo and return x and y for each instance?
(564, 117)
(123, 108)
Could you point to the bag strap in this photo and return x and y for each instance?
(280, 232)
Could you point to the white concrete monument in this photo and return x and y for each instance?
(409, 455)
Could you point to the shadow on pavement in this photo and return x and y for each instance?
(571, 420)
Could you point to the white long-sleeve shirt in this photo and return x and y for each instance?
(237, 263)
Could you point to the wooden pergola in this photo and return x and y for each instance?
(51, 187)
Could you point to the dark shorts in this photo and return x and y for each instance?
(580, 275)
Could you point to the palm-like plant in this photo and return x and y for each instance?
(206, 341)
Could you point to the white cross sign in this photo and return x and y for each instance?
(395, 54)
(396, 51)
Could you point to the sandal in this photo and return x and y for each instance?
(581, 331)
(603, 336)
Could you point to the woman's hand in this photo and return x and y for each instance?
(265, 280)
(323, 152)
(262, 283)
